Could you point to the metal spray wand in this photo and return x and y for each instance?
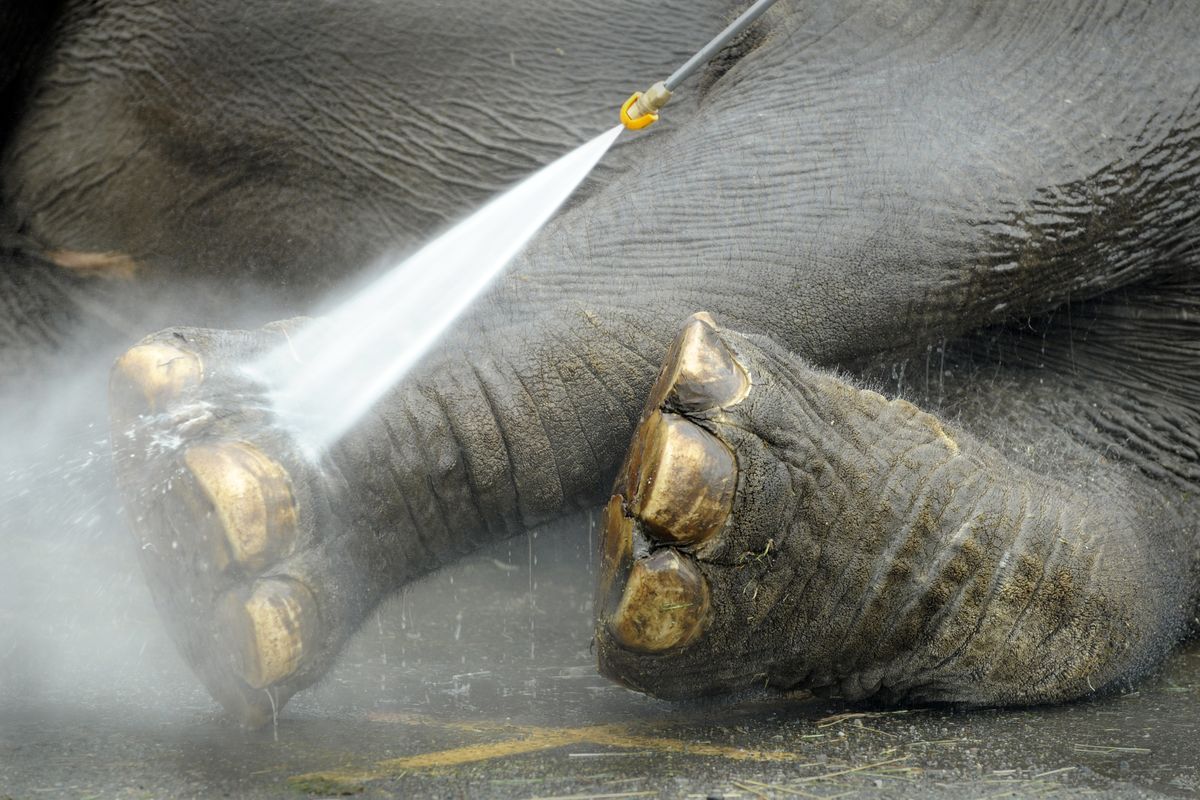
(641, 109)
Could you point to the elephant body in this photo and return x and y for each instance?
(1000, 198)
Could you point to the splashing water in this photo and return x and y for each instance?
(329, 374)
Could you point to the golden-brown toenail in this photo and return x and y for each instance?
(616, 552)
(154, 374)
(270, 631)
(699, 372)
(664, 606)
(683, 490)
(249, 495)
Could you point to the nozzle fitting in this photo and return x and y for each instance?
(641, 108)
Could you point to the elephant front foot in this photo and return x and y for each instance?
(256, 579)
(776, 526)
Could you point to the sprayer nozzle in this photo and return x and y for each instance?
(641, 109)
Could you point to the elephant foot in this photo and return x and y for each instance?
(236, 537)
(775, 526)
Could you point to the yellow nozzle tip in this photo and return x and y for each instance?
(636, 123)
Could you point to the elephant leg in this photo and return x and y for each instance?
(263, 559)
(776, 525)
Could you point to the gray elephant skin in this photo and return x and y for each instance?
(999, 197)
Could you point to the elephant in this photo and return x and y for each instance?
(879, 351)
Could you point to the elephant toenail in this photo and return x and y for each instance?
(149, 376)
(269, 631)
(244, 507)
(664, 606)
(616, 553)
(681, 480)
(699, 371)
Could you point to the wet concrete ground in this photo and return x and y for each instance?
(479, 683)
